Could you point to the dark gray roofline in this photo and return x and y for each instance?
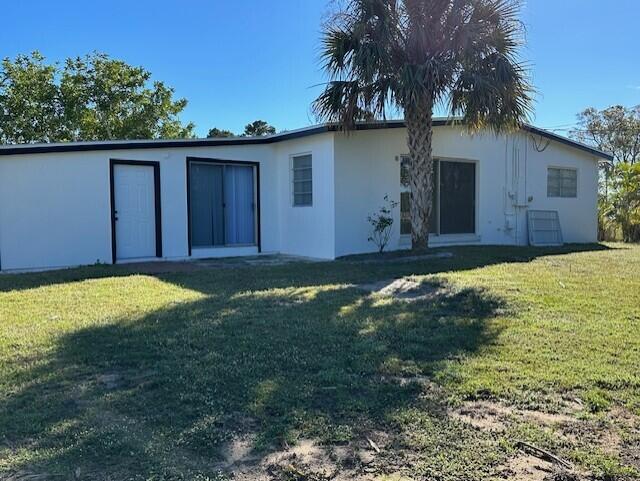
(268, 139)
(564, 140)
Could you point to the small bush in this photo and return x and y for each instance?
(382, 222)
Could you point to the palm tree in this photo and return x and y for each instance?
(258, 128)
(414, 55)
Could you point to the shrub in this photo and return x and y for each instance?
(382, 222)
(619, 207)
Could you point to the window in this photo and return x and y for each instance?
(222, 200)
(301, 178)
(454, 198)
(562, 182)
(457, 203)
(405, 213)
(405, 197)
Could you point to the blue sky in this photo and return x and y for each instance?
(241, 60)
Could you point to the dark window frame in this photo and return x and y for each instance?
(445, 227)
(436, 229)
(204, 160)
(158, 202)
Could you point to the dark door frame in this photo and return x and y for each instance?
(158, 202)
(256, 165)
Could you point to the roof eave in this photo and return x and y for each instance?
(267, 139)
(566, 141)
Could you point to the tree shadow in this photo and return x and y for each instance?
(276, 357)
(464, 258)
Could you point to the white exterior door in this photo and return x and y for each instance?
(134, 211)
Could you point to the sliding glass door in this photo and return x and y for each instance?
(207, 205)
(457, 197)
(454, 198)
(222, 203)
(239, 221)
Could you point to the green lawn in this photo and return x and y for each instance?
(109, 374)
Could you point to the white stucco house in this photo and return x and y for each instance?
(306, 192)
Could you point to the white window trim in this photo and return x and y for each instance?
(475, 235)
(563, 167)
(291, 181)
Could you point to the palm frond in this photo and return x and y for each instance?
(344, 102)
(492, 93)
(338, 47)
(408, 53)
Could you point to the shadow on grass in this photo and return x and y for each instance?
(161, 396)
(471, 257)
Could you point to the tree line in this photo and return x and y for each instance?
(615, 130)
(93, 97)
(256, 128)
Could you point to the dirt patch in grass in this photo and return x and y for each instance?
(594, 433)
(408, 289)
(483, 415)
(617, 434)
(306, 460)
(494, 416)
(630, 438)
(526, 467)
(239, 451)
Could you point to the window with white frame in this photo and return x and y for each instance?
(453, 205)
(301, 180)
(562, 182)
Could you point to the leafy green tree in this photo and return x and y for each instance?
(105, 98)
(623, 204)
(89, 98)
(216, 132)
(30, 104)
(615, 129)
(412, 55)
(258, 128)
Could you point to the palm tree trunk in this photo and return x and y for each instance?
(419, 120)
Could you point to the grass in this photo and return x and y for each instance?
(109, 374)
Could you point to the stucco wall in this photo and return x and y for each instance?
(366, 170)
(55, 208)
(308, 230)
(53, 211)
(509, 170)
(578, 216)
